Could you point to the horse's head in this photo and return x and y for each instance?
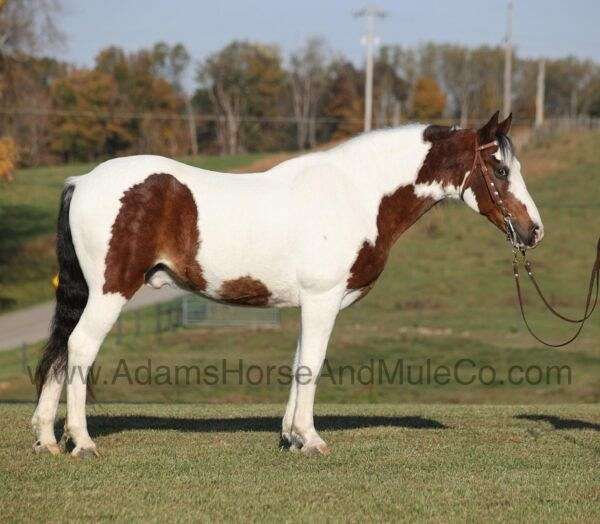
(490, 180)
(503, 177)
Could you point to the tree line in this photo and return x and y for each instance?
(247, 96)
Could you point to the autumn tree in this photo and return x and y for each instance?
(149, 85)
(344, 103)
(86, 130)
(458, 79)
(429, 100)
(308, 77)
(568, 83)
(27, 28)
(407, 68)
(242, 80)
(390, 90)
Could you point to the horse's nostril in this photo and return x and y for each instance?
(534, 234)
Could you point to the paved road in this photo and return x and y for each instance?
(31, 325)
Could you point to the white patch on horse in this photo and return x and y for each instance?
(470, 199)
(433, 190)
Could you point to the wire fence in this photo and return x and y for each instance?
(192, 311)
(41, 140)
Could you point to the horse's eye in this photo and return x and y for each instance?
(502, 172)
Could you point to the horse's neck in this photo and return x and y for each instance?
(381, 161)
(385, 168)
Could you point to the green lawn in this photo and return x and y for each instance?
(28, 209)
(390, 462)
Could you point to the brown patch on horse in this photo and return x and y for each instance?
(158, 219)
(246, 291)
(397, 212)
(450, 156)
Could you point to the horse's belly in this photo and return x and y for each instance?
(248, 285)
(247, 268)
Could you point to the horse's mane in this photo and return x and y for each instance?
(433, 133)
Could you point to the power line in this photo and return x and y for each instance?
(77, 113)
(370, 13)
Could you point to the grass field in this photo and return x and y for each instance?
(389, 462)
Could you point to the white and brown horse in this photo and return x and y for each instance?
(313, 232)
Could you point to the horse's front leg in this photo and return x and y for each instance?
(288, 417)
(318, 316)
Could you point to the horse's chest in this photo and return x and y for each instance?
(368, 265)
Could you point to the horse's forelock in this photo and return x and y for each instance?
(506, 146)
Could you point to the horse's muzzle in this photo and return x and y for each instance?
(531, 238)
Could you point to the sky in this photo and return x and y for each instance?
(551, 28)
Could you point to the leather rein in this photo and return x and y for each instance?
(520, 255)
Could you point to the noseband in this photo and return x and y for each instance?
(479, 163)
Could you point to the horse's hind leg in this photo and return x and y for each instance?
(99, 315)
(43, 418)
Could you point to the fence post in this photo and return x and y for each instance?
(174, 316)
(158, 312)
(184, 311)
(24, 357)
(119, 330)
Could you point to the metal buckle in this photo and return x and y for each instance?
(511, 233)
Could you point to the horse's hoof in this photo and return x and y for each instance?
(284, 443)
(318, 448)
(85, 453)
(66, 444)
(295, 447)
(41, 449)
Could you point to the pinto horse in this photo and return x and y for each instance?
(313, 232)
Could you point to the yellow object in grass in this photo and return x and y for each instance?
(55, 281)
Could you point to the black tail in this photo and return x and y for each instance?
(71, 297)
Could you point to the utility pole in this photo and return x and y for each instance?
(508, 61)
(369, 40)
(466, 90)
(540, 94)
(191, 124)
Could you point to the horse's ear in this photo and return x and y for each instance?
(504, 126)
(488, 132)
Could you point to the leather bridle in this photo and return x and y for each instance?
(589, 304)
(520, 254)
(479, 164)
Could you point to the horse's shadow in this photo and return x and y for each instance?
(100, 425)
(561, 423)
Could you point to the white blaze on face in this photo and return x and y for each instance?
(516, 186)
